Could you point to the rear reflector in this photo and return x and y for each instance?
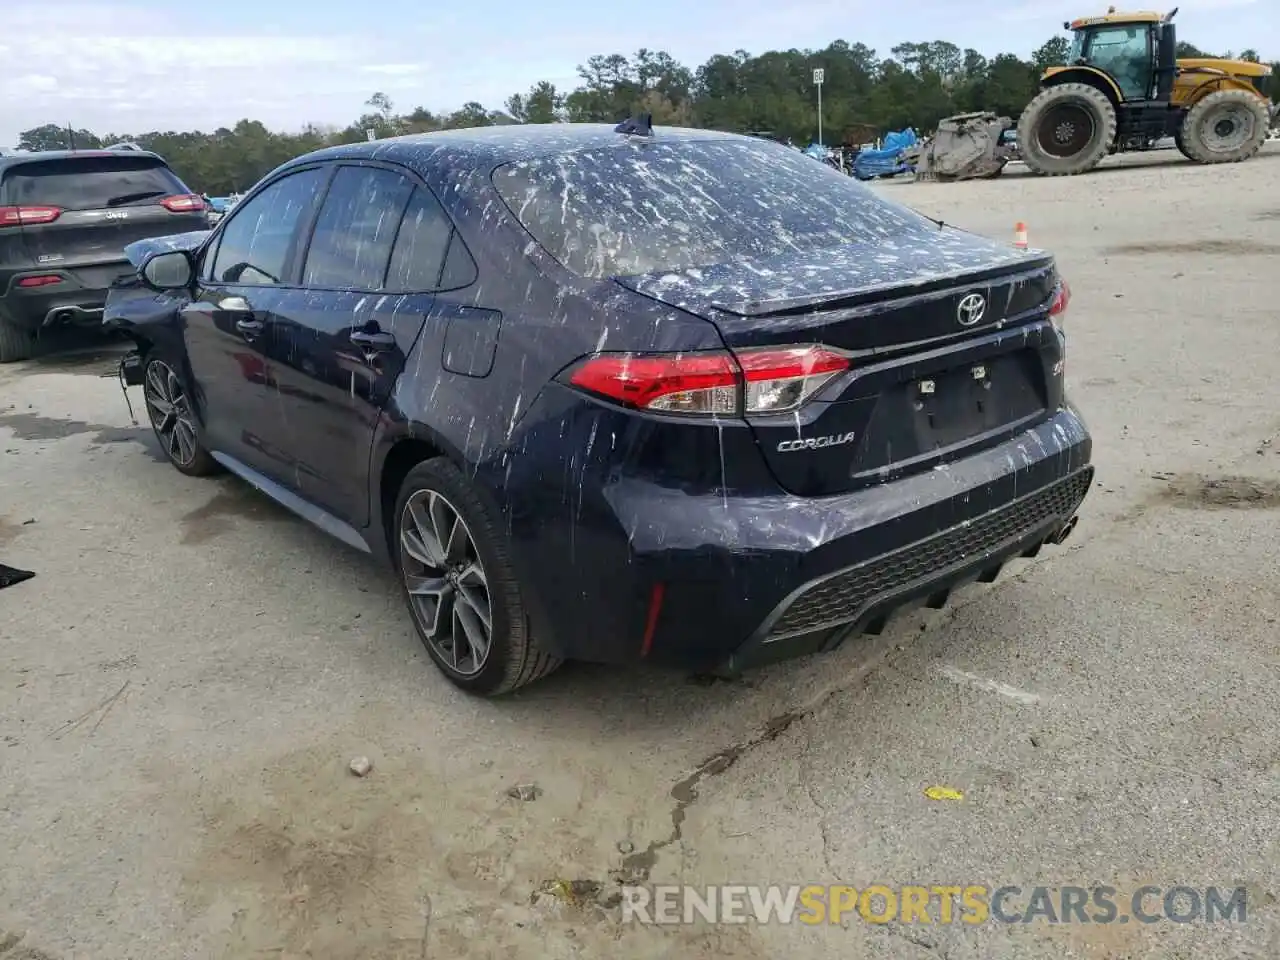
(28, 216)
(44, 281)
(715, 383)
(184, 203)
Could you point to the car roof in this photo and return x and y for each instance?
(15, 159)
(483, 148)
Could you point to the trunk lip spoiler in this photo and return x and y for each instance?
(863, 296)
(922, 287)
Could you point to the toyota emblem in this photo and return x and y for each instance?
(970, 309)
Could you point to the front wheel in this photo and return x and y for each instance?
(460, 585)
(168, 403)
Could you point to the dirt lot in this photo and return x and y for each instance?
(184, 682)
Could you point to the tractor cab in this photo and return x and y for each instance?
(1137, 51)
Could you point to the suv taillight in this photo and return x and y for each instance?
(184, 203)
(716, 383)
(28, 216)
(1058, 305)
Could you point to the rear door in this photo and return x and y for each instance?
(88, 208)
(342, 336)
(228, 327)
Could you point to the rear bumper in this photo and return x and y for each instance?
(823, 613)
(66, 302)
(703, 582)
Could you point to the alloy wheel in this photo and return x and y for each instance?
(446, 582)
(170, 412)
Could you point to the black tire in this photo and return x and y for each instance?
(513, 657)
(1182, 147)
(177, 431)
(1066, 129)
(16, 343)
(1225, 127)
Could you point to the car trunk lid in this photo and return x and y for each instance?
(931, 375)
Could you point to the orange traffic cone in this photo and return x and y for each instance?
(1020, 235)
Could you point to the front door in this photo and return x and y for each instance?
(1124, 51)
(229, 323)
(367, 285)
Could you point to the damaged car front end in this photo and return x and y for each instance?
(139, 311)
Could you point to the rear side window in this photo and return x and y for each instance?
(356, 229)
(420, 246)
(459, 269)
(636, 209)
(90, 183)
(260, 235)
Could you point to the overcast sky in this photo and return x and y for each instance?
(138, 65)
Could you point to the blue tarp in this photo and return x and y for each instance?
(887, 161)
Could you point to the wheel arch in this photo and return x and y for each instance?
(1091, 76)
(396, 455)
(1216, 83)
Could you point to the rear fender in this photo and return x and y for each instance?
(1083, 74)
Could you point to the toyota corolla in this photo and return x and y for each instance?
(617, 394)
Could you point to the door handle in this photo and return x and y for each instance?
(249, 327)
(373, 339)
(235, 305)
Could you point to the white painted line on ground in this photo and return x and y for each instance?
(988, 686)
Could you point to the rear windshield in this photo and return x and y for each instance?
(651, 207)
(90, 183)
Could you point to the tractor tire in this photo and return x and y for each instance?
(1225, 127)
(1182, 147)
(1066, 129)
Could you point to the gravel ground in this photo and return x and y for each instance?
(184, 682)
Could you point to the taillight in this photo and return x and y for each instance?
(184, 203)
(42, 281)
(1058, 305)
(752, 381)
(28, 216)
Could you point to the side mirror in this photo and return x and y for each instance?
(171, 270)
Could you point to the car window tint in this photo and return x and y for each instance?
(91, 183)
(255, 245)
(674, 206)
(356, 228)
(420, 246)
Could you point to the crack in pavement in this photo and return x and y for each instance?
(817, 805)
(636, 867)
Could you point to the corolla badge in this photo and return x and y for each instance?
(816, 443)
(970, 309)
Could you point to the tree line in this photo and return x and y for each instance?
(863, 97)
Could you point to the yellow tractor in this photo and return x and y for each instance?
(1123, 88)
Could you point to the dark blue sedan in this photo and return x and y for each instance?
(620, 394)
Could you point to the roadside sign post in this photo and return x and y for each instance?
(371, 134)
(819, 74)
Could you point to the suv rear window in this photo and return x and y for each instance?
(90, 183)
(643, 208)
